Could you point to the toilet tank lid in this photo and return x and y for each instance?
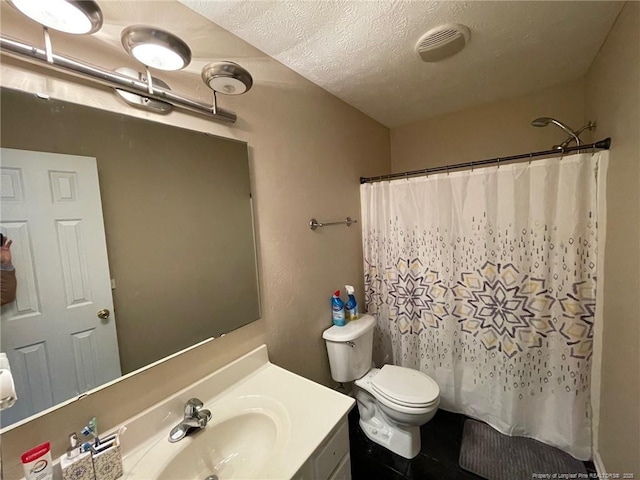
(351, 331)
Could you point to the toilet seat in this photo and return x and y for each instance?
(404, 387)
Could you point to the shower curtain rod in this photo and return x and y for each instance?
(601, 145)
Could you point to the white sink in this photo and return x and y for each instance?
(243, 436)
(265, 423)
(236, 448)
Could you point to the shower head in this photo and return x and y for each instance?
(544, 121)
(541, 122)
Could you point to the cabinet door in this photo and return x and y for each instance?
(343, 470)
(332, 453)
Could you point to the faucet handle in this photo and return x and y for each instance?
(204, 416)
(192, 406)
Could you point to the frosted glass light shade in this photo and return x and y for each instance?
(227, 85)
(156, 48)
(70, 16)
(157, 56)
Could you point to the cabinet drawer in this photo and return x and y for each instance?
(332, 453)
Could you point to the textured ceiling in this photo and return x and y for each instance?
(363, 51)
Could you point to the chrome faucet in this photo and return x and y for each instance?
(194, 417)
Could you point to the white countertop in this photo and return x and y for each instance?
(305, 412)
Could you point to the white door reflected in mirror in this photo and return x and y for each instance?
(57, 346)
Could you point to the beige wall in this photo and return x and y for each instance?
(487, 131)
(613, 99)
(307, 150)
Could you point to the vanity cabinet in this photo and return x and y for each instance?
(331, 460)
(261, 428)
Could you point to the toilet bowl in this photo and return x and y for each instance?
(393, 401)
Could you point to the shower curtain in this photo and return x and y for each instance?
(485, 280)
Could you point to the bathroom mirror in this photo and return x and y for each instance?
(178, 227)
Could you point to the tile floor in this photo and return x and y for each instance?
(437, 460)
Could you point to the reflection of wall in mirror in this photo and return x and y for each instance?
(177, 216)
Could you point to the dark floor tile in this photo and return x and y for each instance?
(353, 417)
(366, 468)
(447, 424)
(441, 438)
(426, 468)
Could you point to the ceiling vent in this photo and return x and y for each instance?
(442, 42)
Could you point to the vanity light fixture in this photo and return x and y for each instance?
(156, 48)
(227, 77)
(70, 16)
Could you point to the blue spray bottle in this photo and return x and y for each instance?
(351, 306)
(337, 309)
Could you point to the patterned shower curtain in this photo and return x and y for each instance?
(485, 280)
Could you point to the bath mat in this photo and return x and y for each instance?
(495, 456)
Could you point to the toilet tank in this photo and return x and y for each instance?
(350, 348)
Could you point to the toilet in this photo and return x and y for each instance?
(393, 401)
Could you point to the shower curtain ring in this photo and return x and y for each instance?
(499, 163)
(530, 157)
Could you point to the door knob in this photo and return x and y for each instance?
(104, 313)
